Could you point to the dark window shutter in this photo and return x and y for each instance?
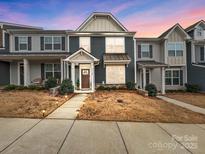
(42, 43)
(16, 43)
(29, 44)
(202, 53)
(150, 51)
(42, 72)
(63, 43)
(139, 51)
(181, 77)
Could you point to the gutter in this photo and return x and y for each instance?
(197, 65)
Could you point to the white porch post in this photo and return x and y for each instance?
(163, 80)
(67, 66)
(73, 74)
(193, 59)
(62, 70)
(144, 77)
(93, 76)
(26, 72)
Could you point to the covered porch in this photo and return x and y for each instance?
(82, 70)
(151, 72)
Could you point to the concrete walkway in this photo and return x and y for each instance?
(69, 109)
(182, 104)
(23, 136)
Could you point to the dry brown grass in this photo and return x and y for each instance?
(197, 99)
(28, 104)
(103, 105)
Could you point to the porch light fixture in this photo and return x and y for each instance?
(66, 96)
(57, 102)
(43, 111)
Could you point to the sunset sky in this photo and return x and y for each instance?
(149, 18)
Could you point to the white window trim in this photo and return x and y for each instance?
(114, 37)
(19, 43)
(89, 43)
(175, 51)
(53, 72)
(175, 69)
(53, 43)
(147, 44)
(200, 55)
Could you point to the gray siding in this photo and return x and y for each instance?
(195, 75)
(5, 69)
(129, 49)
(97, 50)
(74, 44)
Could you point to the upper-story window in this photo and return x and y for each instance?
(85, 43)
(145, 52)
(23, 43)
(175, 49)
(202, 54)
(115, 45)
(52, 42)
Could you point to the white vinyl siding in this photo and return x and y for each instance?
(115, 45)
(115, 74)
(85, 43)
(23, 43)
(52, 43)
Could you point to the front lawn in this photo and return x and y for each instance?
(130, 106)
(29, 103)
(197, 99)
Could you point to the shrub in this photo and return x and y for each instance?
(35, 87)
(192, 88)
(10, 87)
(101, 88)
(130, 85)
(50, 83)
(152, 90)
(21, 87)
(66, 87)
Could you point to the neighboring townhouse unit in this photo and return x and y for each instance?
(100, 51)
(162, 60)
(196, 54)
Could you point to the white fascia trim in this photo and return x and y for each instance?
(80, 50)
(197, 25)
(187, 36)
(93, 14)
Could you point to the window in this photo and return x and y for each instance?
(115, 74)
(172, 77)
(23, 43)
(53, 70)
(175, 49)
(202, 54)
(145, 51)
(199, 32)
(52, 42)
(115, 45)
(85, 43)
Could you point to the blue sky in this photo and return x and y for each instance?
(147, 17)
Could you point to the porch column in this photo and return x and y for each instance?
(62, 70)
(93, 77)
(73, 74)
(26, 72)
(144, 77)
(163, 80)
(193, 59)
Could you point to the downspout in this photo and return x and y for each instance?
(135, 67)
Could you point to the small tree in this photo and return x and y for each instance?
(193, 88)
(152, 90)
(66, 87)
(50, 83)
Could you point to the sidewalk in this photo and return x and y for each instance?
(69, 109)
(182, 104)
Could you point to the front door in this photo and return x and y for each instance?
(85, 78)
(21, 70)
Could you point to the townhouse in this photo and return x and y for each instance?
(196, 54)
(101, 51)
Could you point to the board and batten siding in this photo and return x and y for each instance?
(177, 36)
(115, 74)
(102, 24)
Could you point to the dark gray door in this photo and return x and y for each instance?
(21, 74)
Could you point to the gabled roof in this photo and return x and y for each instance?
(81, 50)
(169, 31)
(101, 14)
(194, 25)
